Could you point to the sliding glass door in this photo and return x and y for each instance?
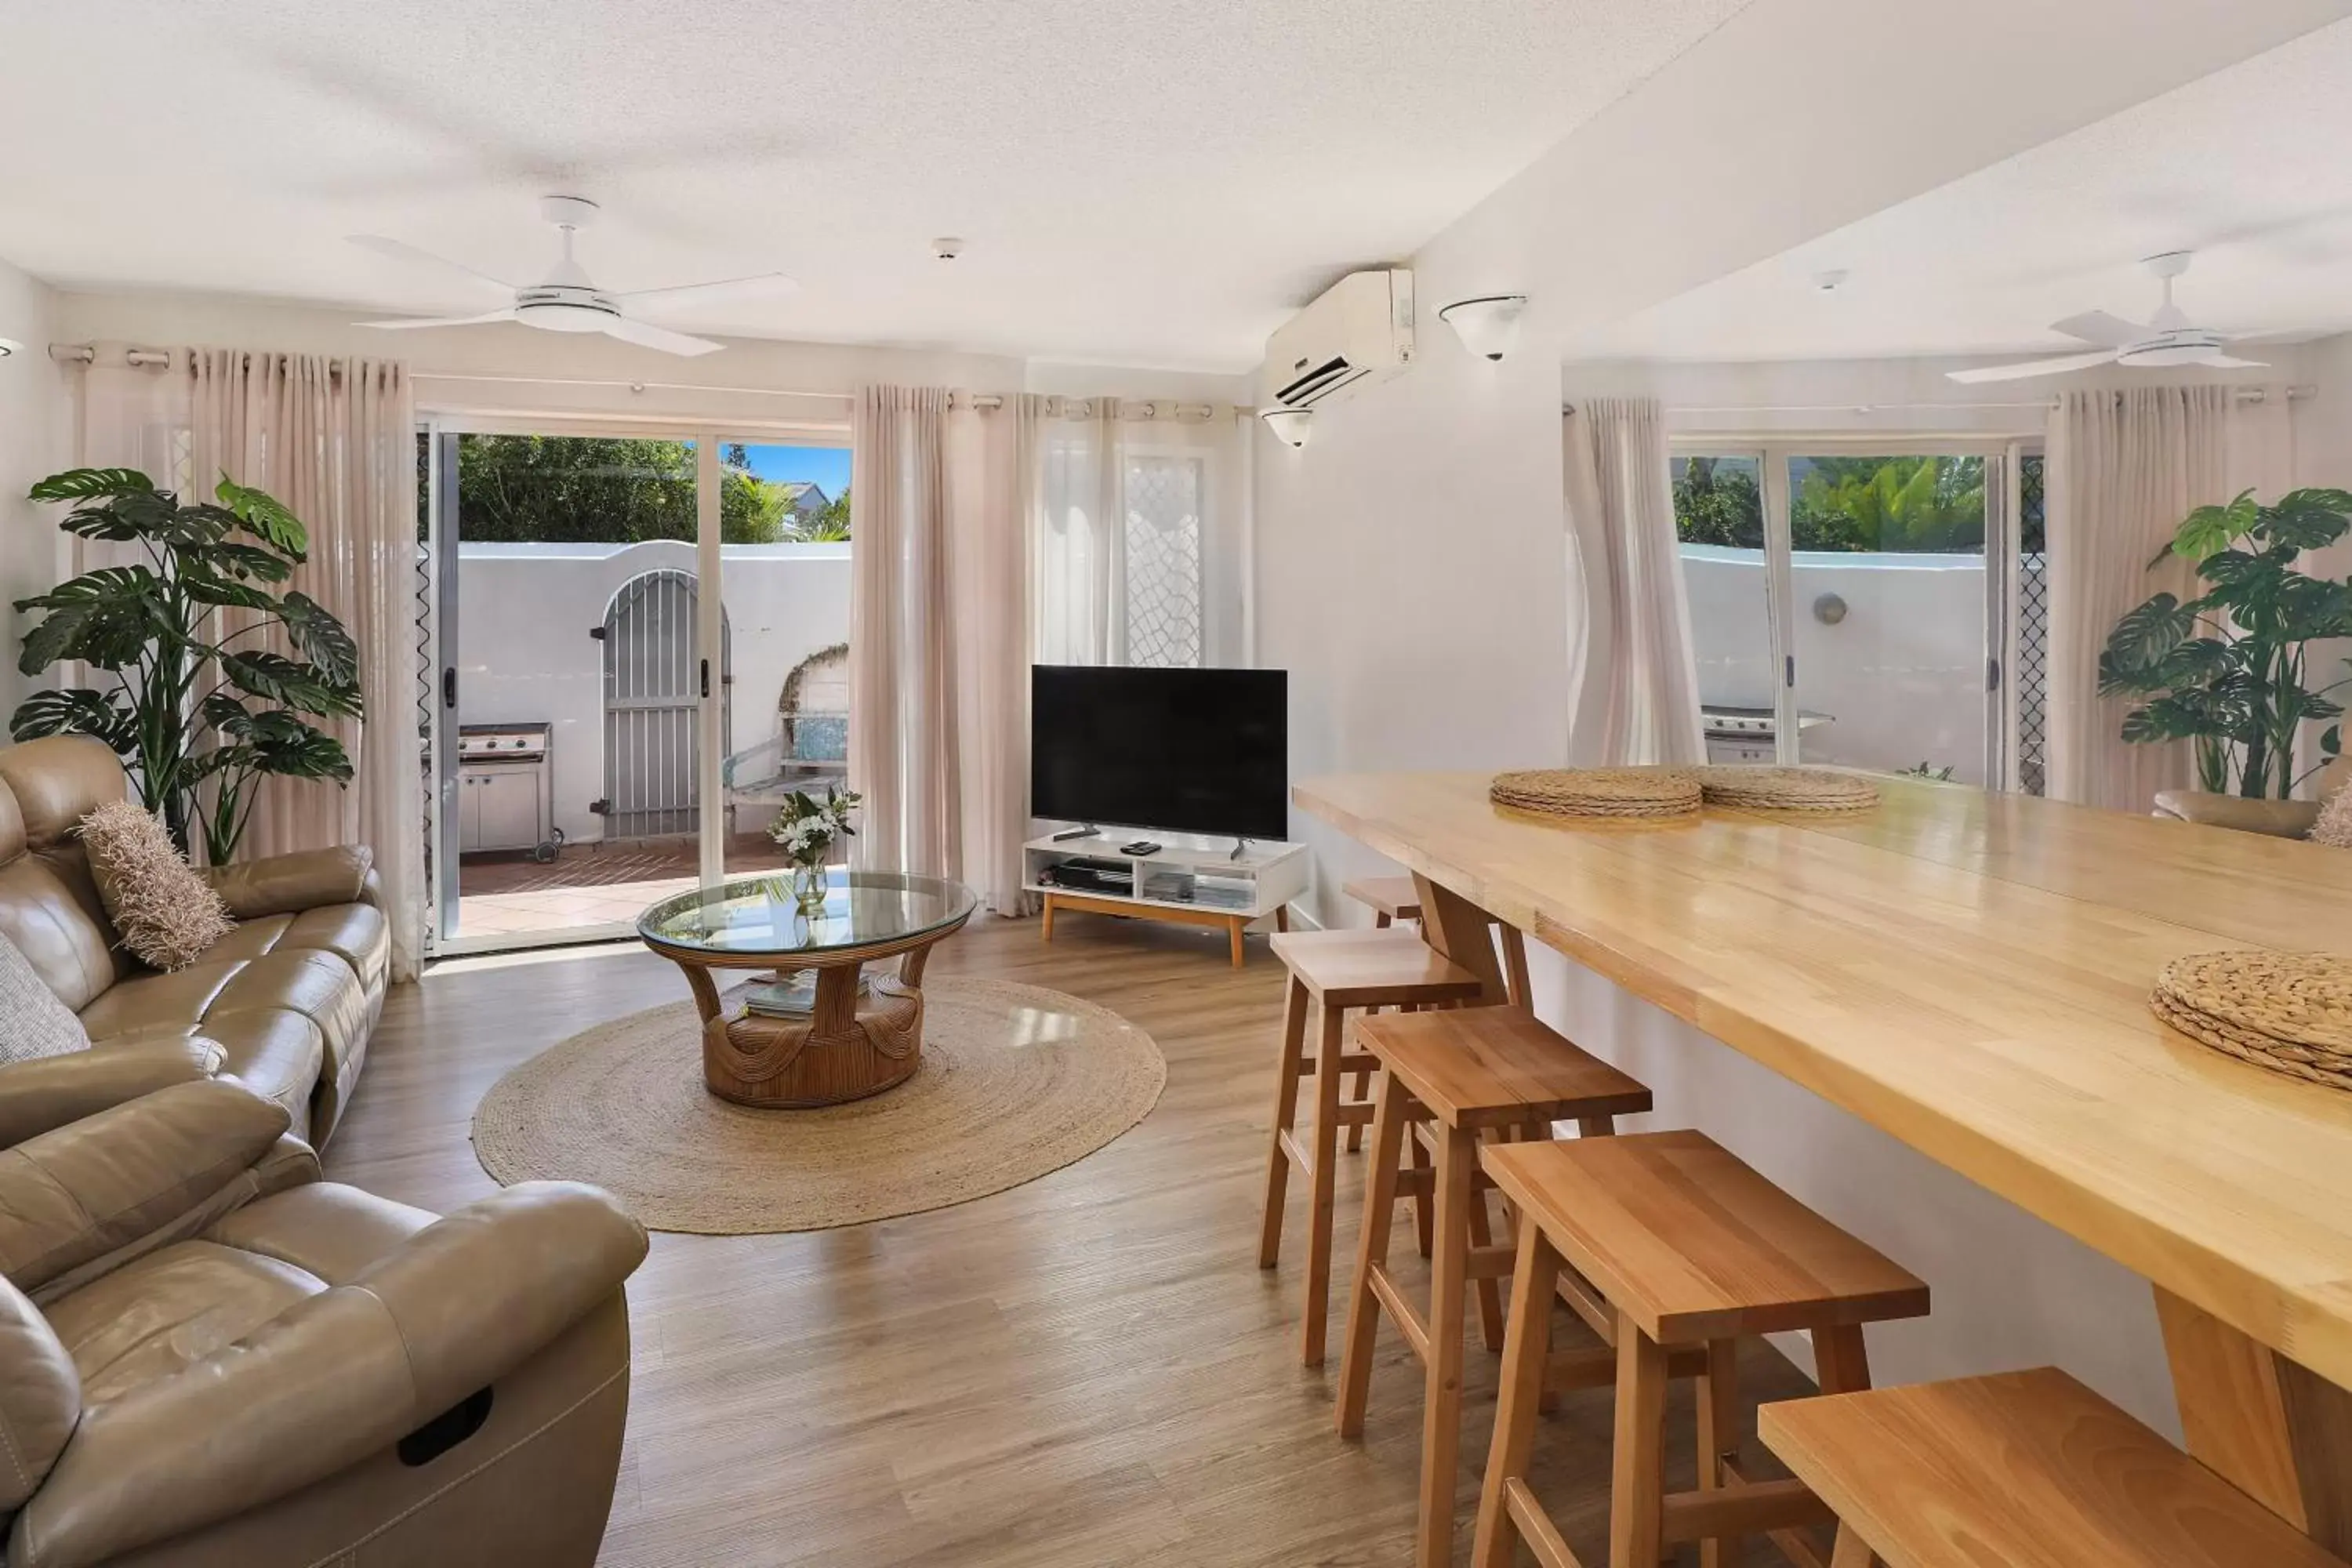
(1886, 578)
(636, 642)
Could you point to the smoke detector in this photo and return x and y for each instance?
(947, 247)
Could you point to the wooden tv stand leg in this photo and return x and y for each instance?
(1049, 917)
(1234, 926)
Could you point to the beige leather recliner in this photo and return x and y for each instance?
(210, 1358)
(290, 996)
(2278, 818)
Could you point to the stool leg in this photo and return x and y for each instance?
(1637, 1462)
(1719, 1434)
(1515, 967)
(1839, 1359)
(1318, 1327)
(1371, 1252)
(1423, 1201)
(1381, 920)
(1359, 1085)
(1286, 1119)
(1850, 1551)
(1527, 1347)
(1490, 1294)
(1440, 1416)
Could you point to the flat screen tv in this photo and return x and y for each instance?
(1187, 751)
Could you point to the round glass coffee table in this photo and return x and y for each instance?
(859, 1034)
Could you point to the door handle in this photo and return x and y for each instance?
(449, 685)
(705, 678)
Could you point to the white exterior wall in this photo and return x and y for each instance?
(524, 655)
(1902, 677)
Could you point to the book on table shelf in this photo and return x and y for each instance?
(792, 998)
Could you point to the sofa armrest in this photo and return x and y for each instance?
(289, 884)
(78, 1192)
(2279, 818)
(40, 1096)
(337, 1377)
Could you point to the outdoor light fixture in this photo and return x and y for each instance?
(1289, 424)
(1488, 326)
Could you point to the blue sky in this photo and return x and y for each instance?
(828, 466)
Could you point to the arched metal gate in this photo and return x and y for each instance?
(652, 682)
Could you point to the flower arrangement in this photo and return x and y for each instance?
(806, 829)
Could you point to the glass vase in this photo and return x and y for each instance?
(809, 887)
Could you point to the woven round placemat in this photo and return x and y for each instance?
(1016, 1082)
(1786, 789)
(2289, 1011)
(1611, 793)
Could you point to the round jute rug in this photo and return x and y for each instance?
(1016, 1080)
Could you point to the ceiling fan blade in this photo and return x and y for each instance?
(645, 335)
(2035, 367)
(758, 285)
(406, 323)
(400, 250)
(2217, 360)
(2099, 327)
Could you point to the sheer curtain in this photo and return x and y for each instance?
(1638, 694)
(335, 440)
(939, 646)
(2125, 467)
(1121, 534)
(903, 710)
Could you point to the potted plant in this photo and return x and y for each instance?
(199, 709)
(2228, 669)
(807, 828)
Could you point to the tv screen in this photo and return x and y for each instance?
(1188, 751)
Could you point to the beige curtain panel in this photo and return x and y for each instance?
(335, 440)
(938, 645)
(1638, 692)
(2124, 468)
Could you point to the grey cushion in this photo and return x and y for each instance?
(33, 1022)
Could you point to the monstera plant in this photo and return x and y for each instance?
(2230, 669)
(199, 705)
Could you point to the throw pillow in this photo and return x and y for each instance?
(2334, 823)
(167, 914)
(33, 1022)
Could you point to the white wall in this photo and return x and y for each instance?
(524, 655)
(32, 440)
(1412, 575)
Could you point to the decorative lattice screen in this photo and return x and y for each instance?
(1163, 559)
(2033, 632)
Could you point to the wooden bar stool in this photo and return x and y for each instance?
(1479, 1070)
(2029, 1470)
(1337, 970)
(1391, 899)
(1688, 1247)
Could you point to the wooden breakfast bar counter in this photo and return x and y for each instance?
(1968, 973)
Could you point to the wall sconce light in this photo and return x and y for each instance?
(1289, 424)
(10, 346)
(1488, 326)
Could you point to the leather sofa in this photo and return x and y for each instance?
(2279, 818)
(290, 996)
(211, 1357)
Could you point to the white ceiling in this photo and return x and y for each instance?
(2247, 167)
(1150, 185)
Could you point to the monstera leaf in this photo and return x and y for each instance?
(86, 484)
(320, 638)
(107, 617)
(80, 711)
(265, 518)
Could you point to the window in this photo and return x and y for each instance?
(1163, 559)
(1841, 610)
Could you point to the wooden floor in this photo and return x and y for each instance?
(1089, 1370)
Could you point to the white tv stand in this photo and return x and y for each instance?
(1191, 880)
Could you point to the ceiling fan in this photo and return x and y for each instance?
(569, 302)
(2168, 339)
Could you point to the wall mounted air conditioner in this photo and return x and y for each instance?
(1360, 332)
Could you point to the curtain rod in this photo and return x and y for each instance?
(2242, 394)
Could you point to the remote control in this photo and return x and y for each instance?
(1141, 846)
